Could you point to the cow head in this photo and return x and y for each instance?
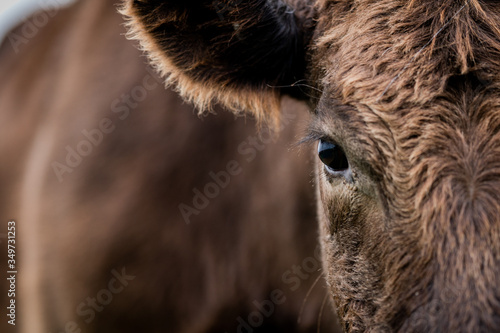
(405, 97)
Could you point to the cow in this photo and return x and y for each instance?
(405, 105)
(403, 96)
(129, 213)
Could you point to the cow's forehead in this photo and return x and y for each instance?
(392, 53)
(411, 81)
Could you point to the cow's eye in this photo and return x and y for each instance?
(332, 156)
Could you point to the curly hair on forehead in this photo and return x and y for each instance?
(396, 51)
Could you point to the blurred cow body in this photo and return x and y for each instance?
(102, 170)
(405, 104)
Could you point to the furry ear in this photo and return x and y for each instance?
(243, 54)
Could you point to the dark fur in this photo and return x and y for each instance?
(411, 92)
(220, 49)
(256, 48)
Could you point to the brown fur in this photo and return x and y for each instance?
(411, 92)
(199, 93)
(274, 42)
(119, 207)
(423, 115)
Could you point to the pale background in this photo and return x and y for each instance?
(15, 11)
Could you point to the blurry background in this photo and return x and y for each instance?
(14, 11)
(122, 204)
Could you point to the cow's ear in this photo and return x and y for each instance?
(243, 54)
